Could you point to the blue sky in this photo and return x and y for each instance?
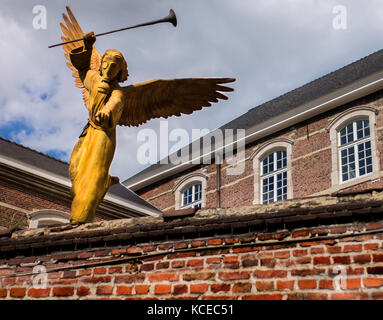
(269, 46)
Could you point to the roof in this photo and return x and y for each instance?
(301, 103)
(57, 170)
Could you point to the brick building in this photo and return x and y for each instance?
(318, 139)
(35, 191)
(316, 148)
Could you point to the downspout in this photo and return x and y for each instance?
(218, 185)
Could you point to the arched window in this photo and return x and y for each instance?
(190, 191)
(47, 217)
(355, 158)
(274, 177)
(272, 171)
(192, 196)
(355, 150)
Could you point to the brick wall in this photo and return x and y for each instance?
(147, 258)
(311, 164)
(16, 200)
(199, 270)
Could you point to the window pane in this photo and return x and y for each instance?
(268, 164)
(356, 159)
(264, 170)
(348, 163)
(281, 186)
(268, 187)
(274, 161)
(192, 194)
(343, 137)
(197, 192)
(188, 196)
(367, 132)
(281, 159)
(359, 129)
(359, 125)
(347, 134)
(365, 158)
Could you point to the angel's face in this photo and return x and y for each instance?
(110, 67)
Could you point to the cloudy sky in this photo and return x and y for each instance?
(269, 46)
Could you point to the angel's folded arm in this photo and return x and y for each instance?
(115, 106)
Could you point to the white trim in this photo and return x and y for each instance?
(194, 202)
(9, 206)
(339, 122)
(259, 154)
(131, 205)
(38, 172)
(297, 117)
(187, 182)
(46, 217)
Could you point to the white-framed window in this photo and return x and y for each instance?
(274, 177)
(190, 191)
(272, 171)
(355, 150)
(355, 158)
(192, 196)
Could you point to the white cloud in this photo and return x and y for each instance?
(270, 46)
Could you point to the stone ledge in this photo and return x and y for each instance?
(286, 215)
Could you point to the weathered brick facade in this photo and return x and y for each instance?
(318, 248)
(310, 163)
(17, 200)
(21, 200)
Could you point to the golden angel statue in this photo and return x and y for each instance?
(110, 105)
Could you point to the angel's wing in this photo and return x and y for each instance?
(72, 31)
(165, 98)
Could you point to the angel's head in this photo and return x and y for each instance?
(113, 66)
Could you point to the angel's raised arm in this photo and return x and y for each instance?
(81, 60)
(71, 31)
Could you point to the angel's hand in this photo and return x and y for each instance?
(89, 40)
(102, 117)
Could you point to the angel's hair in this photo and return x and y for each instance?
(123, 74)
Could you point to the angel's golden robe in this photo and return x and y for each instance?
(93, 153)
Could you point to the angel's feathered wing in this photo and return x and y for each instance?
(165, 98)
(72, 31)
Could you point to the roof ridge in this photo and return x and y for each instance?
(36, 151)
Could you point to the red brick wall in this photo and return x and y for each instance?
(311, 167)
(303, 264)
(26, 199)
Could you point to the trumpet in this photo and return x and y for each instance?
(171, 17)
